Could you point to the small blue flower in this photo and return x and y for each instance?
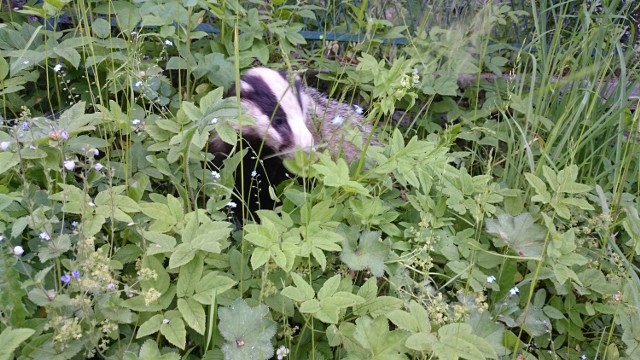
(25, 126)
(76, 273)
(65, 278)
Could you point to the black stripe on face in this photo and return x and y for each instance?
(297, 84)
(266, 101)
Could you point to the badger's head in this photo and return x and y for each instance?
(279, 106)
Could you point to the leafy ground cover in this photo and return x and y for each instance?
(498, 220)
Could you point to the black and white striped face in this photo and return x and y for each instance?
(279, 107)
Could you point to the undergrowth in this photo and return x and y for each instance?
(498, 219)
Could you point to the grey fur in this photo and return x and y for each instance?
(337, 126)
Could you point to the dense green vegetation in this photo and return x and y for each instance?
(498, 220)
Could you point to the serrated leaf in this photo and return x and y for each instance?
(403, 320)
(458, 341)
(541, 189)
(193, 314)
(259, 257)
(212, 284)
(150, 351)
(174, 331)
(329, 287)
(182, 254)
(191, 110)
(518, 232)
(8, 160)
(421, 341)
(580, 203)
(301, 284)
(369, 254)
(4, 68)
(10, 339)
(189, 276)
(227, 133)
(381, 305)
(380, 343)
(150, 326)
(247, 330)
(310, 306)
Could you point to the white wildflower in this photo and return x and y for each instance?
(165, 321)
(214, 121)
(513, 291)
(18, 250)
(135, 122)
(254, 173)
(138, 84)
(91, 204)
(491, 279)
(57, 68)
(4, 145)
(168, 42)
(282, 352)
(98, 166)
(69, 164)
(44, 236)
(215, 175)
(232, 205)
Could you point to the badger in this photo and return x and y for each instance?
(288, 116)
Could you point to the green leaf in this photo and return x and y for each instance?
(369, 254)
(421, 342)
(193, 314)
(380, 343)
(519, 232)
(189, 276)
(161, 243)
(174, 330)
(458, 341)
(248, 331)
(381, 305)
(310, 306)
(540, 187)
(10, 339)
(4, 68)
(150, 326)
(303, 286)
(101, 28)
(181, 255)
(259, 257)
(329, 287)
(8, 161)
(150, 351)
(176, 63)
(212, 283)
(191, 110)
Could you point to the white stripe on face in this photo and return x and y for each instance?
(291, 104)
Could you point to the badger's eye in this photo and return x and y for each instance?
(278, 120)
